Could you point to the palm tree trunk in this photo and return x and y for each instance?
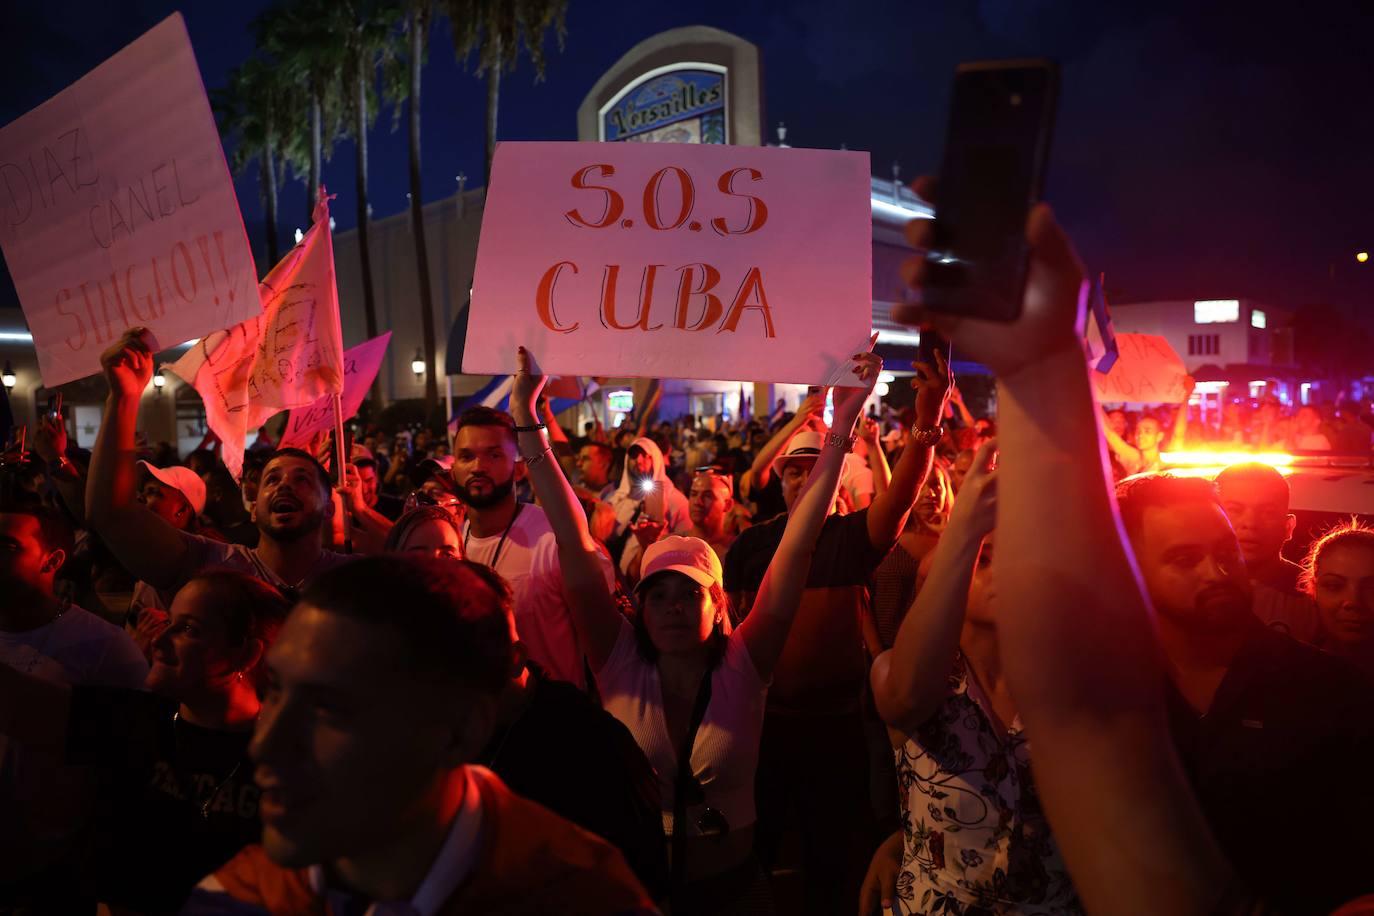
(269, 179)
(419, 24)
(316, 150)
(360, 130)
(493, 102)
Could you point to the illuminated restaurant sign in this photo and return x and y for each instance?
(684, 103)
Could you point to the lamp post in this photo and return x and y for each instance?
(8, 377)
(417, 365)
(159, 381)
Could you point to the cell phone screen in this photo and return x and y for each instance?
(1001, 118)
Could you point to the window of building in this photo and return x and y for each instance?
(1216, 311)
(1258, 319)
(1204, 344)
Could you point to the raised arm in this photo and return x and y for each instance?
(887, 515)
(145, 544)
(593, 608)
(765, 630)
(910, 679)
(871, 430)
(759, 473)
(1077, 639)
(1125, 452)
(50, 444)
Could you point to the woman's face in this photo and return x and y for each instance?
(193, 655)
(930, 505)
(1345, 593)
(678, 613)
(433, 538)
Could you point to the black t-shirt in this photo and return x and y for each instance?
(768, 500)
(153, 843)
(389, 506)
(581, 763)
(824, 665)
(1279, 765)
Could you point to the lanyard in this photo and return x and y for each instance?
(496, 557)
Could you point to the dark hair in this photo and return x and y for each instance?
(409, 520)
(1136, 494)
(365, 463)
(1347, 534)
(452, 621)
(325, 480)
(485, 416)
(54, 531)
(1256, 472)
(250, 607)
(720, 631)
(601, 448)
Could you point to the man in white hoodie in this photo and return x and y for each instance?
(647, 505)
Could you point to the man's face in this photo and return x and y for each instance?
(26, 566)
(794, 475)
(1259, 515)
(1147, 433)
(1193, 568)
(1116, 421)
(350, 746)
(595, 466)
(641, 464)
(167, 502)
(292, 501)
(368, 475)
(484, 465)
(709, 502)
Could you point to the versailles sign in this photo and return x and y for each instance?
(682, 104)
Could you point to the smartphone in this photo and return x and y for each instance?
(996, 152)
(930, 344)
(655, 508)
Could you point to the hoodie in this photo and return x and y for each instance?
(626, 501)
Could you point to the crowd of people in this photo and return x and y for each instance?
(922, 662)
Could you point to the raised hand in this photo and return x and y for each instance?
(975, 508)
(128, 364)
(1051, 310)
(525, 388)
(50, 438)
(933, 386)
(849, 401)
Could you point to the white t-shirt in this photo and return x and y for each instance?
(857, 478)
(725, 755)
(528, 560)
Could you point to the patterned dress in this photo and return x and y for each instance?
(976, 841)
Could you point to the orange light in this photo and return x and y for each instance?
(1208, 472)
(1225, 459)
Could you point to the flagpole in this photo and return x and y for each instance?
(340, 469)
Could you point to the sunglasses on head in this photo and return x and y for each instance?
(447, 501)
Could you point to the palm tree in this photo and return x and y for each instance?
(403, 83)
(249, 111)
(496, 30)
(310, 54)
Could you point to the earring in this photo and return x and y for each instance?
(239, 676)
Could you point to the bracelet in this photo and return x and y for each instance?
(843, 443)
(530, 429)
(532, 461)
(926, 436)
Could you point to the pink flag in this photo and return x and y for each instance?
(289, 356)
(361, 364)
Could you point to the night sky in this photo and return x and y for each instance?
(1203, 150)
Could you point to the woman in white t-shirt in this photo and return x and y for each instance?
(679, 676)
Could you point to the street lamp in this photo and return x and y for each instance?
(159, 382)
(8, 376)
(1362, 256)
(417, 365)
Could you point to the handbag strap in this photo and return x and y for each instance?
(684, 773)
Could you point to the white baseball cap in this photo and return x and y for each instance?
(692, 557)
(183, 480)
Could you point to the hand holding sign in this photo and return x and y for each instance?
(128, 365)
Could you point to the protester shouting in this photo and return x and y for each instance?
(381, 690)
(1075, 632)
(814, 729)
(292, 505)
(45, 805)
(973, 833)
(515, 539)
(689, 686)
(177, 796)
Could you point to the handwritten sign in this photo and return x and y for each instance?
(674, 260)
(361, 364)
(117, 209)
(1147, 371)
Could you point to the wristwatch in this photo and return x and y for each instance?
(843, 443)
(926, 436)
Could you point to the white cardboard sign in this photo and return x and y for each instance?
(1147, 371)
(674, 261)
(117, 209)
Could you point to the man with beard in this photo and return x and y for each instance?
(1257, 717)
(292, 505)
(515, 540)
